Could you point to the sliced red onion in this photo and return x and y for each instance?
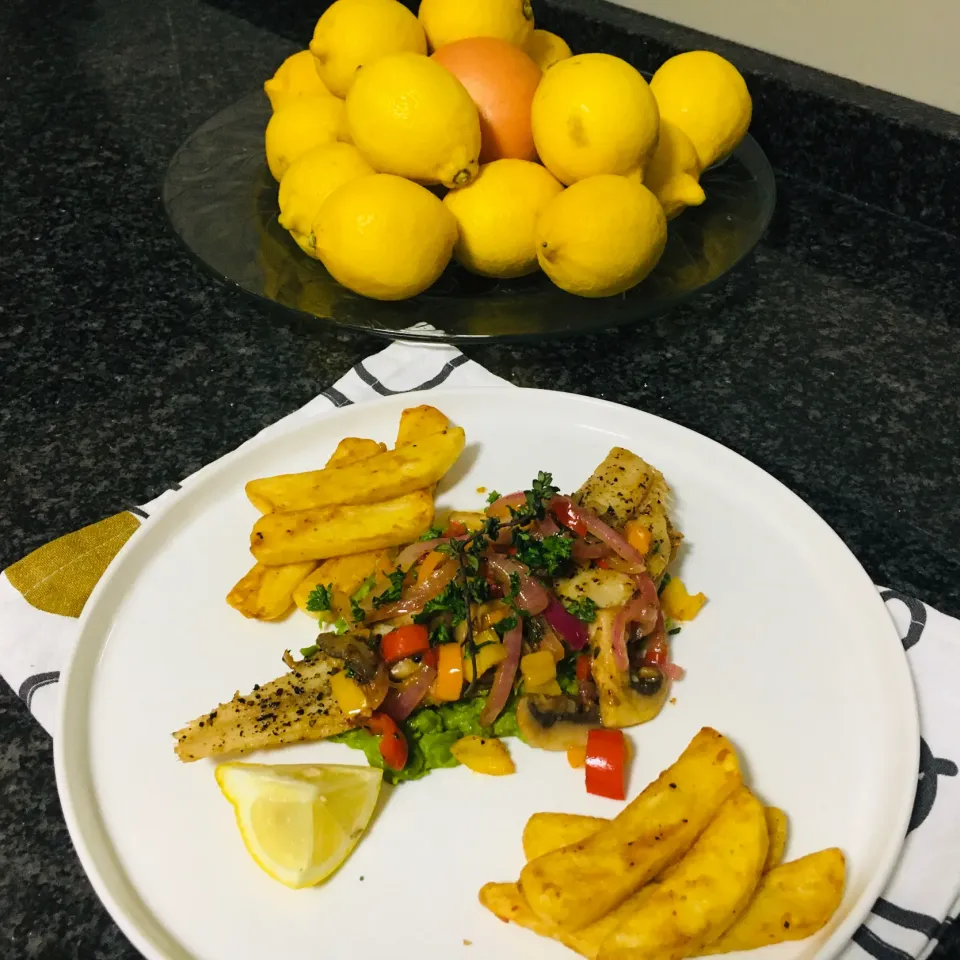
(582, 550)
(410, 555)
(625, 566)
(600, 530)
(673, 672)
(504, 677)
(419, 594)
(400, 702)
(572, 630)
(639, 611)
(547, 527)
(533, 596)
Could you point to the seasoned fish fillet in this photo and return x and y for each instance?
(297, 706)
(625, 487)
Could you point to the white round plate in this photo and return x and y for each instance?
(794, 658)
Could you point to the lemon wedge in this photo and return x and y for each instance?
(299, 822)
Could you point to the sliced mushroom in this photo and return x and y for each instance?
(555, 723)
(354, 652)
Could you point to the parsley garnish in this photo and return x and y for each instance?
(583, 609)
(674, 631)
(341, 627)
(441, 633)
(432, 534)
(505, 625)
(450, 600)
(320, 598)
(493, 496)
(393, 592)
(547, 555)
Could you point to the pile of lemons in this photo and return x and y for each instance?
(500, 149)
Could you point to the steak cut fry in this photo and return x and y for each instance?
(550, 831)
(281, 538)
(792, 902)
(703, 894)
(413, 466)
(297, 706)
(579, 883)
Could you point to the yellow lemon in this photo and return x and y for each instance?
(593, 114)
(672, 174)
(410, 116)
(355, 33)
(300, 125)
(384, 237)
(299, 822)
(309, 180)
(295, 77)
(497, 217)
(546, 49)
(705, 96)
(446, 21)
(601, 236)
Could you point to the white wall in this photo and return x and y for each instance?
(907, 47)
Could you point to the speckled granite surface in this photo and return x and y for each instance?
(831, 359)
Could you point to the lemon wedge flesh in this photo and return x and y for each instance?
(299, 822)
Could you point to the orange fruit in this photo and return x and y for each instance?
(501, 80)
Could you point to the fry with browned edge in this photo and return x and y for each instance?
(580, 883)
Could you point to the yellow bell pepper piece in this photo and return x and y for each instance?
(638, 536)
(449, 682)
(429, 563)
(484, 755)
(551, 688)
(577, 757)
(538, 668)
(349, 694)
(489, 655)
(677, 604)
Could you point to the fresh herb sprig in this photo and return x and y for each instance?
(469, 550)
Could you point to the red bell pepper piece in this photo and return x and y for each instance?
(455, 529)
(404, 642)
(606, 769)
(584, 667)
(567, 515)
(393, 744)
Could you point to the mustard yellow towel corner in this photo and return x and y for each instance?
(59, 576)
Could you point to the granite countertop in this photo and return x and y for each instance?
(830, 359)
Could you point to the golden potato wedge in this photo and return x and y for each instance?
(579, 883)
(777, 832)
(703, 895)
(336, 531)
(505, 901)
(344, 574)
(418, 422)
(384, 476)
(353, 450)
(545, 832)
(550, 831)
(266, 593)
(792, 901)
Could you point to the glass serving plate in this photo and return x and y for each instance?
(222, 203)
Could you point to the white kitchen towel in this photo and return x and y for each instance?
(921, 900)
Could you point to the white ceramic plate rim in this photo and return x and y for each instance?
(72, 750)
